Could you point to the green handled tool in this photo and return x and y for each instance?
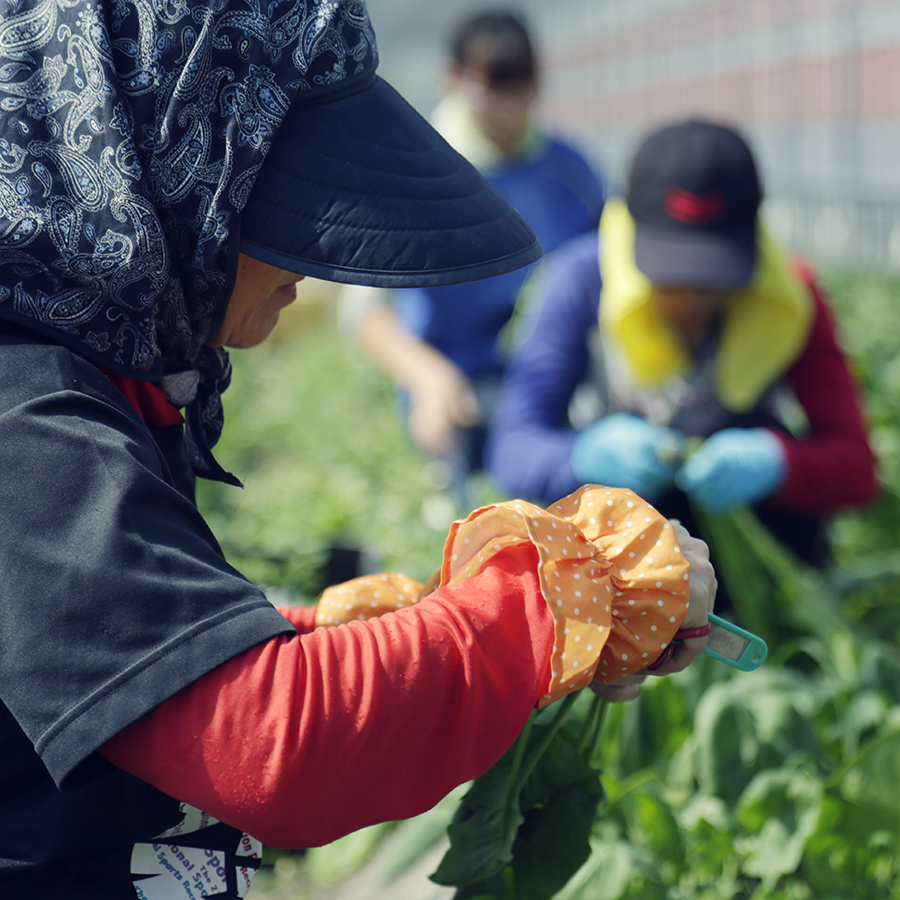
(734, 645)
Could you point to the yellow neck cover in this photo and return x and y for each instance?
(765, 328)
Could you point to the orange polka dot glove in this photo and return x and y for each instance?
(610, 570)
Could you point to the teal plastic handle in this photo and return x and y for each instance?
(735, 646)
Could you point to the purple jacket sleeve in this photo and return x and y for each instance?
(530, 443)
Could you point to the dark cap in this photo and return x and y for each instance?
(694, 193)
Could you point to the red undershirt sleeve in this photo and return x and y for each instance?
(833, 466)
(303, 739)
(303, 618)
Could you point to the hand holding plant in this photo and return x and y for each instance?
(703, 586)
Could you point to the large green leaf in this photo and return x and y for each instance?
(482, 836)
(726, 743)
(553, 843)
(607, 875)
(486, 889)
(653, 825)
(780, 809)
(869, 786)
(561, 766)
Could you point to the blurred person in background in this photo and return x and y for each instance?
(441, 345)
(684, 355)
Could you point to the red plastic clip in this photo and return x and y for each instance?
(680, 635)
(664, 657)
(685, 633)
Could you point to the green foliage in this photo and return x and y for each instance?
(524, 827)
(759, 801)
(483, 831)
(868, 312)
(781, 784)
(314, 437)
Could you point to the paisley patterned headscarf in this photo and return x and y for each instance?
(131, 132)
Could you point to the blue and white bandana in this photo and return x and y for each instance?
(131, 132)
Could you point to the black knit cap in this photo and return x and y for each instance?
(694, 194)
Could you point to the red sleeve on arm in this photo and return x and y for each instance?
(834, 465)
(303, 739)
(303, 618)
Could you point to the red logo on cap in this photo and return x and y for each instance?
(694, 209)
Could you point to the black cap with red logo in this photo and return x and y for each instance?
(694, 194)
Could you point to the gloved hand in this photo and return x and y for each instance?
(734, 467)
(626, 451)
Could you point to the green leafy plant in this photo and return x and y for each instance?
(523, 828)
(717, 783)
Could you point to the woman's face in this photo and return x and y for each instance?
(260, 293)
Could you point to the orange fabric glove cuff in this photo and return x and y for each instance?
(610, 570)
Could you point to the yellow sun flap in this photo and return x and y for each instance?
(765, 329)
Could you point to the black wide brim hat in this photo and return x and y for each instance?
(359, 188)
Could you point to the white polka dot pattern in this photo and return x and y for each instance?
(611, 572)
(367, 597)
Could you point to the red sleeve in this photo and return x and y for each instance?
(148, 400)
(301, 740)
(833, 466)
(303, 618)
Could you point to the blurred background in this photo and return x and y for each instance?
(812, 83)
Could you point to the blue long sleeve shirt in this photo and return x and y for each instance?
(560, 196)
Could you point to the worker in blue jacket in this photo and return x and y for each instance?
(442, 345)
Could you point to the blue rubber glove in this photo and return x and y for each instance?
(628, 452)
(734, 467)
